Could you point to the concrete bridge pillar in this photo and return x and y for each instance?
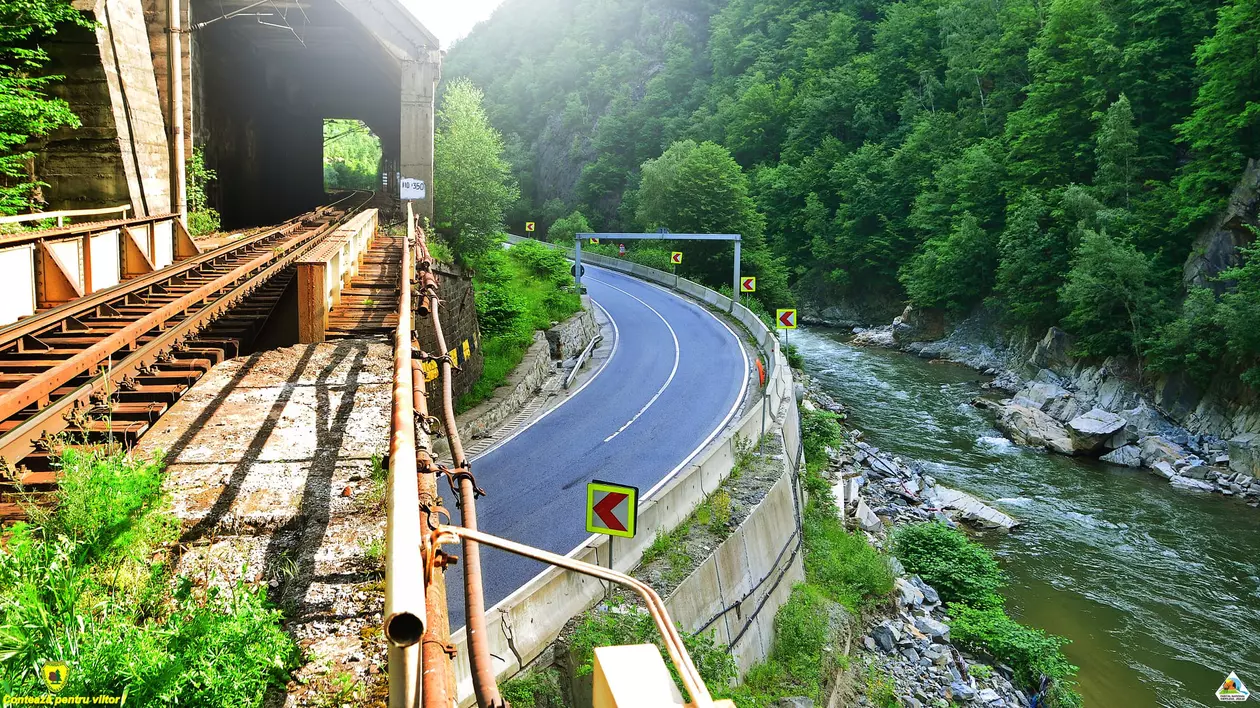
(419, 84)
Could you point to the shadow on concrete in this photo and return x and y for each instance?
(211, 520)
(300, 539)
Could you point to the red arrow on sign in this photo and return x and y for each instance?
(604, 510)
(786, 318)
(748, 283)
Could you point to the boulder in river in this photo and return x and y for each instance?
(1129, 456)
(972, 509)
(1190, 483)
(1091, 431)
(1030, 426)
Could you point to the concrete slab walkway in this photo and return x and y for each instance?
(269, 462)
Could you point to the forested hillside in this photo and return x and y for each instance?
(1055, 159)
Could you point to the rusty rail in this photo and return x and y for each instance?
(49, 362)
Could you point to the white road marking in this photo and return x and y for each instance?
(672, 372)
(571, 396)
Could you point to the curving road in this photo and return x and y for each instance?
(675, 378)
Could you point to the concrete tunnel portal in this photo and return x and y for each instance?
(266, 75)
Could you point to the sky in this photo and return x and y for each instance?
(452, 19)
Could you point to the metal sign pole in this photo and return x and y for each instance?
(735, 292)
(577, 263)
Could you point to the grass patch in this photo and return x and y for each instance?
(80, 584)
(968, 578)
(671, 548)
(519, 291)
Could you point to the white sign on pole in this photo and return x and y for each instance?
(411, 188)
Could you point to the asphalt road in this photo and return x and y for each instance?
(674, 380)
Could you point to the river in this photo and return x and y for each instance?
(1158, 589)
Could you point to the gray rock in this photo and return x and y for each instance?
(908, 594)
(1029, 426)
(1091, 431)
(911, 655)
(961, 691)
(932, 628)
(973, 510)
(895, 566)
(929, 593)
(987, 696)
(1156, 448)
(1163, 469)
(1129, 456)
(1244, 454)
(1052, 350)
(885, 638)
(1194, 471)
(1217, 246)
(867, 518)
(1196, 484)
(868, 643)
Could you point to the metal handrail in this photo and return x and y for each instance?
(64, 214)
(23, 237)
(582, 359)
(404, 615)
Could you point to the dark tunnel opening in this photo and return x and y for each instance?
(269, 74)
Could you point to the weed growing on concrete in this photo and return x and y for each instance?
(374, 551)
(671, 547)
(340, 689)
(534, 689)
(85, 583)
(620, 623)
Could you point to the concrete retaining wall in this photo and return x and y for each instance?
(523, 625)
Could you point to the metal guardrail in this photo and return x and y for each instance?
(568, 380)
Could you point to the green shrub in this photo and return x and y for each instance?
(795, 360)
(842, 564)
(819, 429)
(499, 310)
(881, 692)
(1030, 652)
(960, 570)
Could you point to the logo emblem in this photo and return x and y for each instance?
(54, 674)
(1232, 690)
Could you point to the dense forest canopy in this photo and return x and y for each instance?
(352, 154)
(1054, 159)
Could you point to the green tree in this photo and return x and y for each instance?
(1117, 153)
(1239, 314)
(473, 185)
(954, 271)
(1224, 130)
(1110, 295)
(26, 110)
(352, 155)
(1050, 134)
(563, 230)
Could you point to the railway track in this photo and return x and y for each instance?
(106, 366)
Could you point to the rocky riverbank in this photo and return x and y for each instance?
(909, 640)
(1073, 407)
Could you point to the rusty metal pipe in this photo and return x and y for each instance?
(484, 684)
(437, 672)
(405, 614)
(700, 697)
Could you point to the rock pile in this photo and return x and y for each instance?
(1046, 413)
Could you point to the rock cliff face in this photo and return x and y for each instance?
(1217, 247)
